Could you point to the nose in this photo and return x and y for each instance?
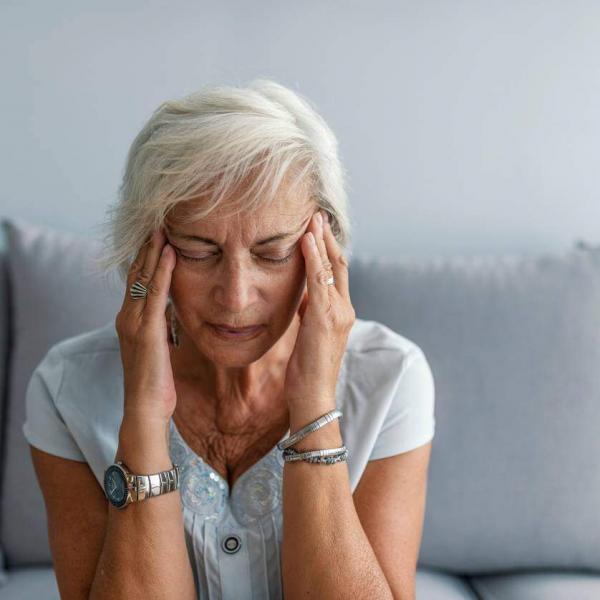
(235, 287)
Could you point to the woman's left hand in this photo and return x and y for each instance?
(327, 316)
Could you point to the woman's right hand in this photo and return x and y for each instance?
(141, 325)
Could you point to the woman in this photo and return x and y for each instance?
(236, 331)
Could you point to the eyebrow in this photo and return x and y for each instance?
(199, 238)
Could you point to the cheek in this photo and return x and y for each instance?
(186, 288)
(292, 290)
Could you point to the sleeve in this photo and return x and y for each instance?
(410, 420)
(44, 426)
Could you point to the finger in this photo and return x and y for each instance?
(338, 261)
(318, 231)
(318, 294)
(144, 274)
(157, 242)
(136, 265)
(159, 286)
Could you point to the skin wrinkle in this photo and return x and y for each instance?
(230, 405)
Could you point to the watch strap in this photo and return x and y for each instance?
(154, 484)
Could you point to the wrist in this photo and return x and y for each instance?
(309, 408)
(144, 446)
(304, 413)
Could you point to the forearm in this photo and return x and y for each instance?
(144, 553)
(325, 553)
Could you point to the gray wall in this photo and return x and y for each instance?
(466, 127)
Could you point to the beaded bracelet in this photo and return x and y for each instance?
(316, 424)
(325, 455)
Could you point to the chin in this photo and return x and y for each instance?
(236, 357)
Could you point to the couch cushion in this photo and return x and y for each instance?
(34, 583)
(4, 351)
(436, 585)
(538, 586)
(514, 347)
(54, 294)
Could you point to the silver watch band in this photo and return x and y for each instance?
(154, 484)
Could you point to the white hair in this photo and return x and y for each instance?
(206, 144)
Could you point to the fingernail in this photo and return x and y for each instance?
(325, 216)
(319, 219)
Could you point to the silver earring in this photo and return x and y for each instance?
(173, 324)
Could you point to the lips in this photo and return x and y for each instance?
(246, 333)
(226, 327)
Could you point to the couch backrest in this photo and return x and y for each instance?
(54, 294)
(514, 346)
(5, 344)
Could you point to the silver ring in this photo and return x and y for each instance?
(331, 281)
(138, 290)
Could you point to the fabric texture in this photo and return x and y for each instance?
(385, 391)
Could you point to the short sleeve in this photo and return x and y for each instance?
(410, 420)
(44, 425)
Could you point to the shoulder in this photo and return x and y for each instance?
(372, 342)
(102, 339)
(76, 350)
(388, 394)
(81, 370)
(74, 398)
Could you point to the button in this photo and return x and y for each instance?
(231, 544)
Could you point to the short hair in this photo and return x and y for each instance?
(206, 144)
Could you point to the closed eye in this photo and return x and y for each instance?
(205, 258)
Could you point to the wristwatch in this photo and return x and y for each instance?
(122, 487)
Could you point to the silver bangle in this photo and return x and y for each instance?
(325, 455)
(316, 424)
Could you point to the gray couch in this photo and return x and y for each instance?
(513, 505)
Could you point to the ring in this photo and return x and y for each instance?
(138, 290)
(331, 281)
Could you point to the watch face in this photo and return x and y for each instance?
(115, 486)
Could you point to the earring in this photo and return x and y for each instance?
(173, 326)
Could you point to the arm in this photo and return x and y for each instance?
(144, 553)
(70, 521)
(325, 551)
(390, 502)
(121, 547)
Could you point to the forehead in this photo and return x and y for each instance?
(287, 210)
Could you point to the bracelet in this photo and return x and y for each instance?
(325, 455)
(316, 424)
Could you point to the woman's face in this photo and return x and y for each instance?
(241, 270)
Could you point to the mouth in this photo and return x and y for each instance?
(236, 333)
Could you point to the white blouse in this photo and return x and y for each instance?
(74, 408)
